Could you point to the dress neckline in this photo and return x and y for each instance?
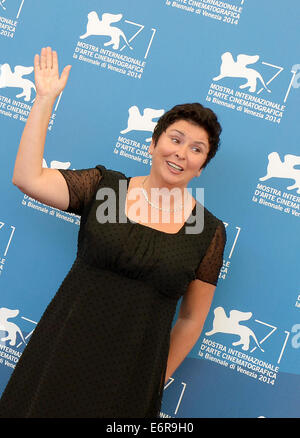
(155, 229)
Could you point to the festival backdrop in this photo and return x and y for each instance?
(132, 61)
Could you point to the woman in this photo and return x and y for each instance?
(104, 346)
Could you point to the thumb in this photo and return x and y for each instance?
(65, 75)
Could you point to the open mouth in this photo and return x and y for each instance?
(174, 167)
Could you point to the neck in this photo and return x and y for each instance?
(155, 181)
(172, 195)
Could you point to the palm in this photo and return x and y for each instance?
(47, 79)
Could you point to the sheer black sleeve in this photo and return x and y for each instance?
(212, 262)
(82, 185)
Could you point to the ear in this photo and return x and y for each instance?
(198, 173)
(151, 147)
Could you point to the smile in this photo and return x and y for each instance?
(174, 166)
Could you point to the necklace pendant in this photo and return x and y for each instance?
(168, 210)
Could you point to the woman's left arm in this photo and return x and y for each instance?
(193, 311)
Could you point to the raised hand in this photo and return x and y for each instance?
(47, 80)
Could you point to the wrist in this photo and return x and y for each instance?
(45, 100)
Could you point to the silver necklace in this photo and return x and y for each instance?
(156, 206)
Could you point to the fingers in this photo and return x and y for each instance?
(55, 61)
(45, 60)
(36, 62)
(49, 57)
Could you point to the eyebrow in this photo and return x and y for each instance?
(196, 142)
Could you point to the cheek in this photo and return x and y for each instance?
(166, 150)
(196, 162)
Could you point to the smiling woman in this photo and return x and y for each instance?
(198, 116)
(184, 140)
(104, 347)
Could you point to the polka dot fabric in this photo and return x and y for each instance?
(100, 349)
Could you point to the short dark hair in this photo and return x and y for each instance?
(197, 114)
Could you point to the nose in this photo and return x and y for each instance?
(181, 152)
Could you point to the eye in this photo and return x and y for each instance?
(197, 149)
(175, 140)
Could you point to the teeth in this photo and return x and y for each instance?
(174, 165)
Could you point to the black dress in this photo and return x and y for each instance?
(101, 347)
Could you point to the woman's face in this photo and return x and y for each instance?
(183, 144)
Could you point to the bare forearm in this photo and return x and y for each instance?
(184, 335)
(29, 158)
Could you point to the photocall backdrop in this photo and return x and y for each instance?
(132, 61)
